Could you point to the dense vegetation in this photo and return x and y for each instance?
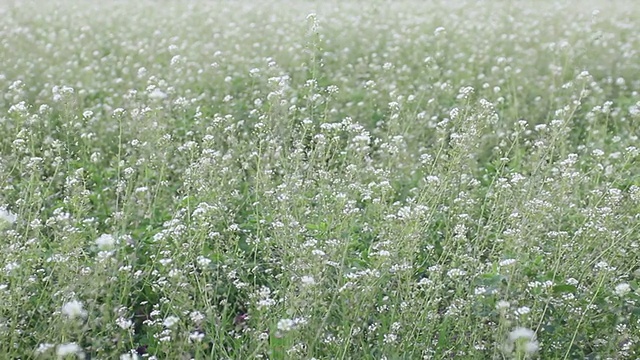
(319, 180)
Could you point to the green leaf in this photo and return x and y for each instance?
(564, 288)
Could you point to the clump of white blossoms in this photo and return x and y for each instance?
(157, 94)
(285, 325)
(622, 289)
(522, 342)
(65, 350)
(7, 216)
(170, 321)
(105, 242)
(502, 305)
(507, 262)
(74, 309)
(43, 348)
(523, 310)
(307, 280)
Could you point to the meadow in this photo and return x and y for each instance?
(319, 180)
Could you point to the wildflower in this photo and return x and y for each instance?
(73, 309)
(520, 332)
(19, 108)
(203, 261)
(196, 336)
(307, 280)
(622, 289)
(7, 216)
(123, 323)
(11, 266)
(43, 348)
(522, 310)
(502, 305)
(285, 325)
(157, 94)
(523, 341)
(384, 253)
(390, 338)
(170, 321)
(197, 317)
(69, 349)
(105, 242)
(456, 272)
(507, 262)
(60, 92)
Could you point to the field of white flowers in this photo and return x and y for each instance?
(319, 180)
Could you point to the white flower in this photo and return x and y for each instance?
(456, 272)
(105, 242)
(384, 253)
(286, 324)
(622, 289)
(123, 323)
(531, 347)
(390, 338)
(73, 309)
(307, 280)
(68, 349)
(196, 336)
(502, 304)
(129, 357)
(203, 261)
(317, 252)
(43, 348)
(7, 216)
(521, 333)
(522, 310)
(11, 266)
(170, 321)
(197, 317)
(507, 262)
(157, 94)
(523, 340)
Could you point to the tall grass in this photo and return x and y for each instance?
(319, 180)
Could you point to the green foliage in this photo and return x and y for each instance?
(402, 180)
